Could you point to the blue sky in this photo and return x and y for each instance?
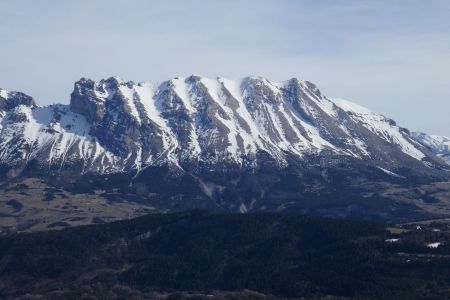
(391, 56)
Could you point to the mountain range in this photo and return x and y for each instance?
(122, 149)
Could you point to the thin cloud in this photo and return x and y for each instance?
(391, 56)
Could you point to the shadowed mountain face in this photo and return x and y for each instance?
(241, 145)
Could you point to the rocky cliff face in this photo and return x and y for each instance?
(247, 144)
(115, 126)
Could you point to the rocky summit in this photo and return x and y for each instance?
(240, 145)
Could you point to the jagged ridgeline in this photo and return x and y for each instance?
(193, 123)
(244, 145)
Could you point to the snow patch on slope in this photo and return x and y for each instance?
(252, 138)
(58, 131)
(390, 172)
(145, 93)
(181, 89)
(129, 101)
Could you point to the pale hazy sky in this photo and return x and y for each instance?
(391, 56)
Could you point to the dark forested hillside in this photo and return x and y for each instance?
(201, 252)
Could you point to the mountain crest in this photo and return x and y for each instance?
(10, 100)
(195, 122)
(240, 145)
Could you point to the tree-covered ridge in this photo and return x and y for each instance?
(283, 255)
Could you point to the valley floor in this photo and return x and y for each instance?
(31, 204)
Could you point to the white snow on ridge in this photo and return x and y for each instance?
(145, 93)
(214, 89)
(129, 98)
(379, 125)
(252, 139)
(274, 126)
(260, 123)
(65, 140)
(3, 93)
(324, 103)
(181, 89)
(441, 143)
(349, 106)
(441, 139)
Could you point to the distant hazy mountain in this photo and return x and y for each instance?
(440, 145)
(242, 145)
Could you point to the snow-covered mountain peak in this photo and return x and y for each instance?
(246, 144)
(10, 100)
(198, 122)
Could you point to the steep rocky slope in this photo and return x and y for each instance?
(241, 145)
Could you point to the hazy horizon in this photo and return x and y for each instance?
(393, 58)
